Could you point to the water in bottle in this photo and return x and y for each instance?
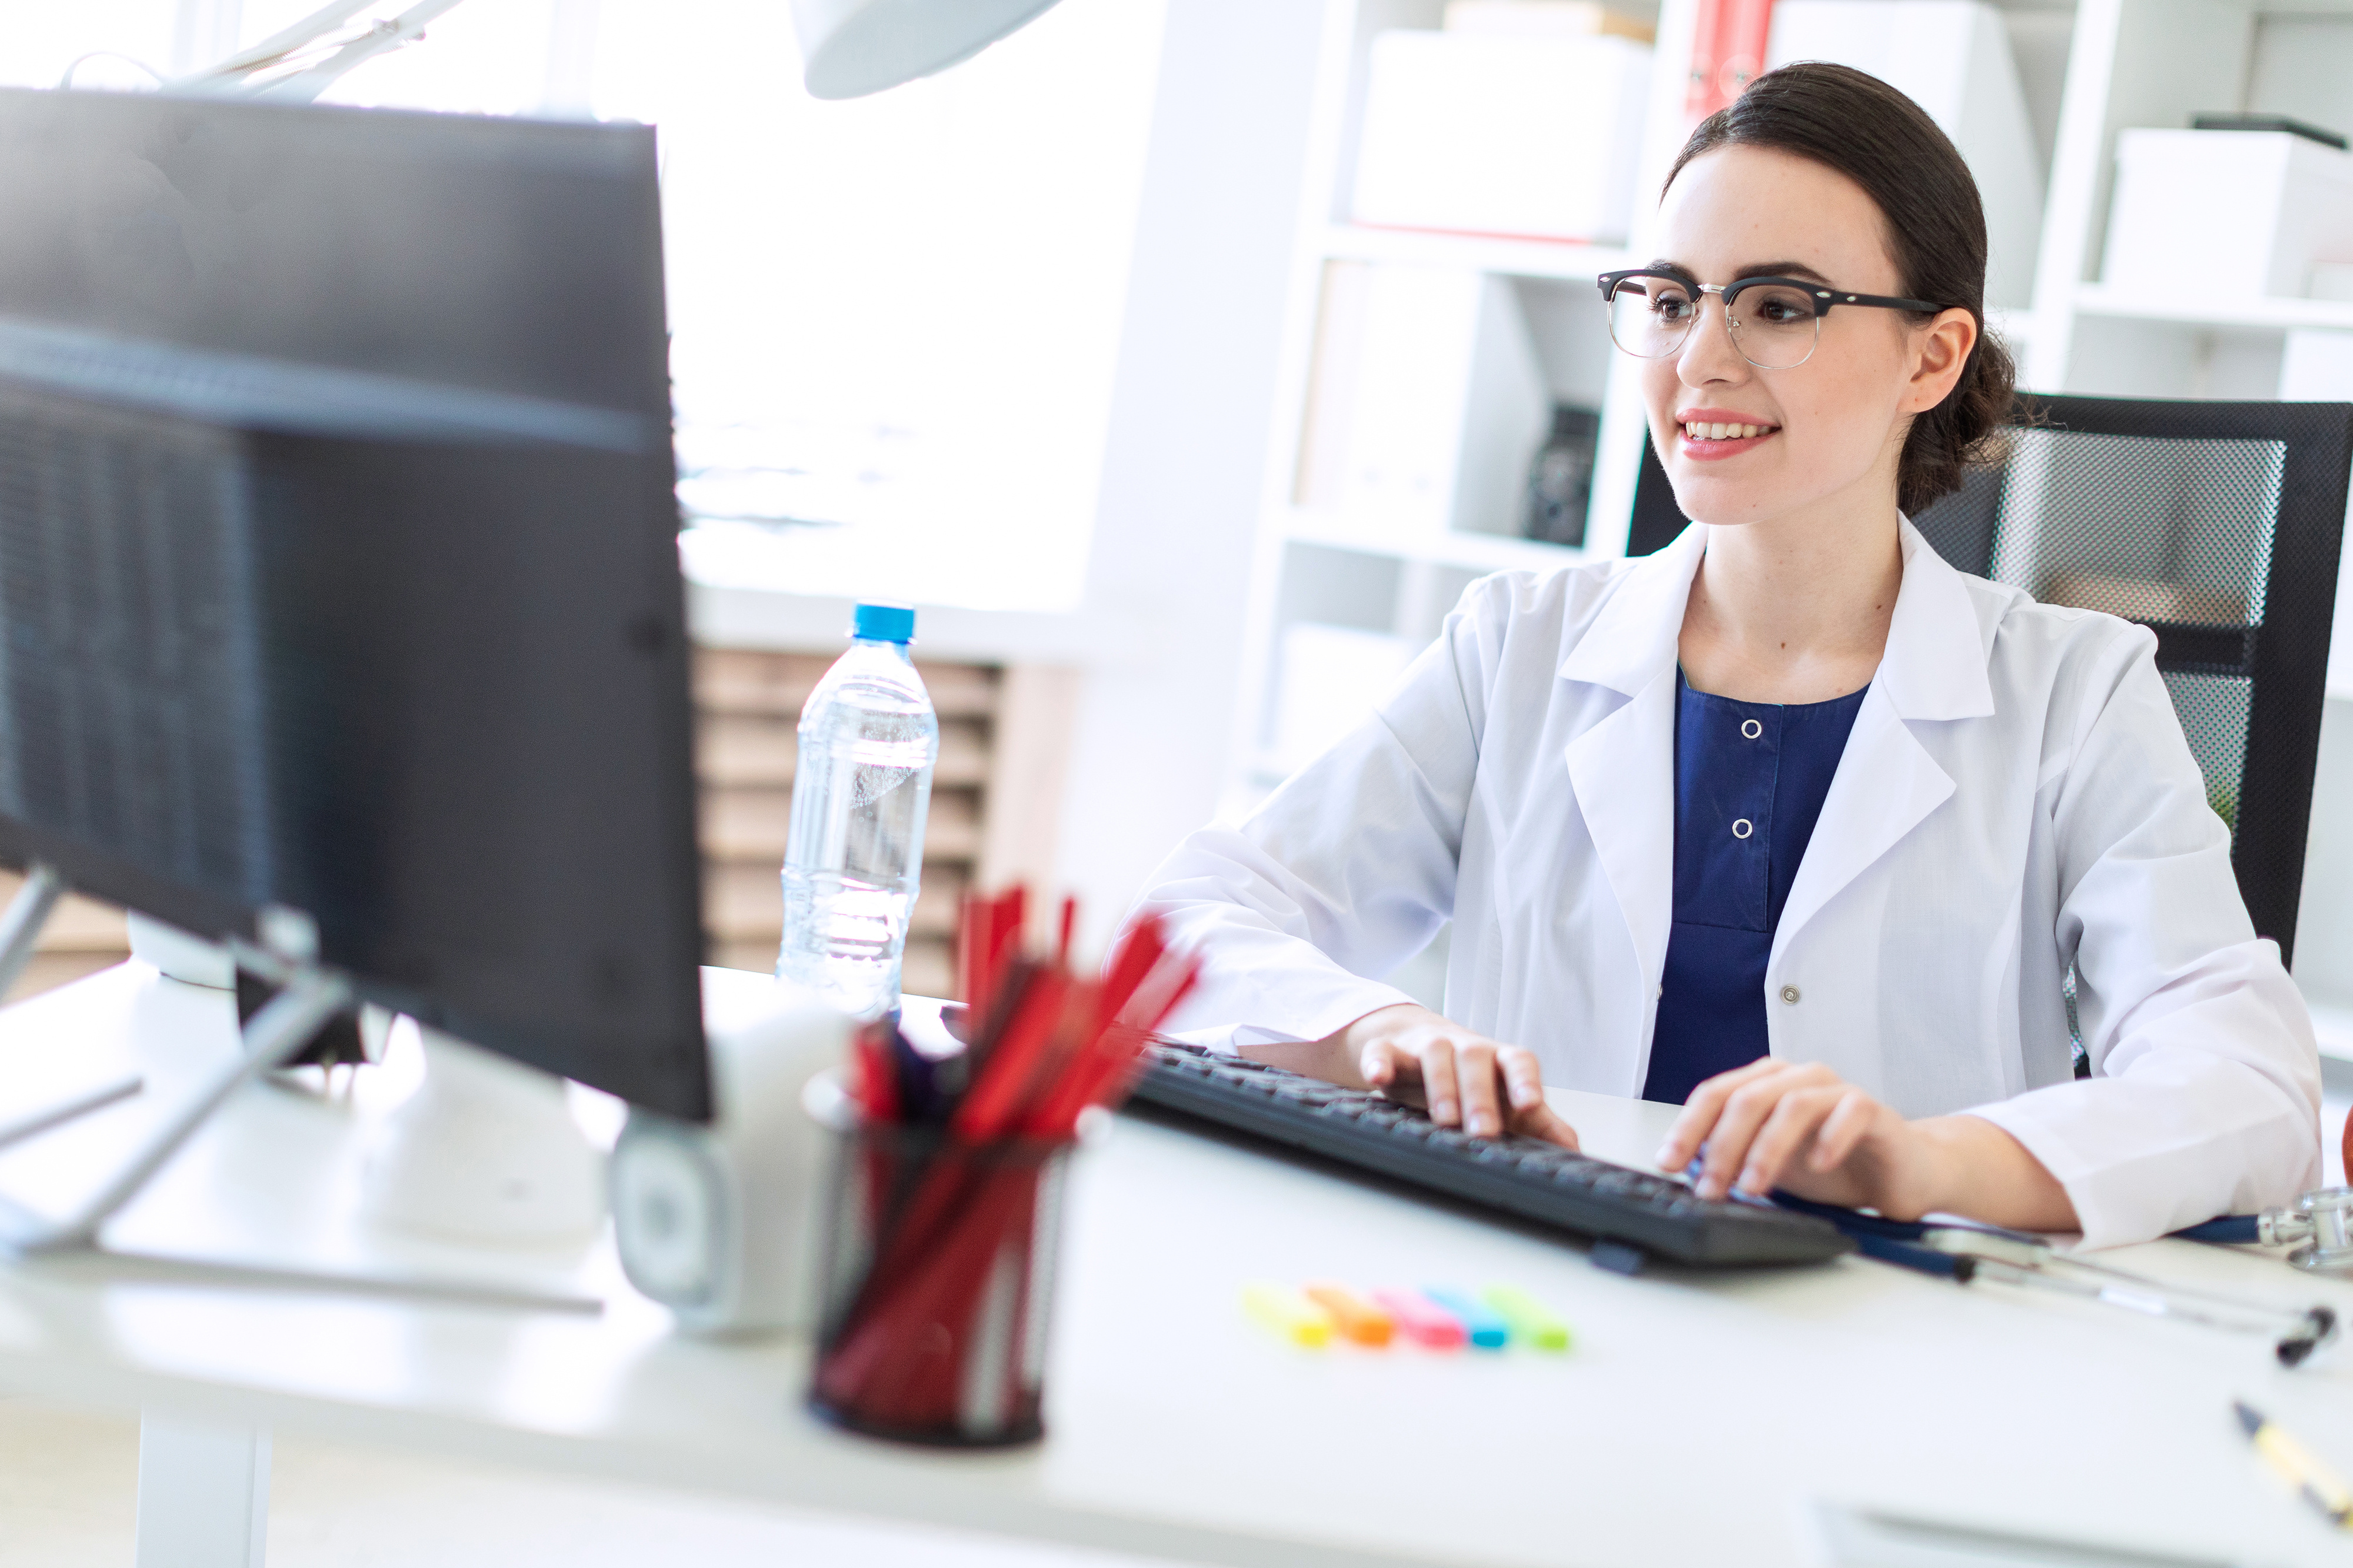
(860, 790)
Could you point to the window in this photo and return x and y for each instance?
(894, 320)
(38, 42)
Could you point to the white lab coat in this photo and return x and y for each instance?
(2016, 794)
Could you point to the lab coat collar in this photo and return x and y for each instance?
(1633, 640)
(1622, 768)
(1937, 647)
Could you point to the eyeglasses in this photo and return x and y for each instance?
(1775, 322)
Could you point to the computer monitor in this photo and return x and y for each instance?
(338, 566)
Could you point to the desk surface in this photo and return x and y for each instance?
(1698, 1419)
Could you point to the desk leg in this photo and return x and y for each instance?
(203, 1494)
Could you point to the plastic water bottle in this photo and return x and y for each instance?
(860, 791)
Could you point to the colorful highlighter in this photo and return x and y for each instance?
(1355, 1317)
(1289, 1313)
(1532, 1323)
(1422, 1320)
(1486, 1327)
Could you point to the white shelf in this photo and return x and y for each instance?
(1472, 552)
(2249, 313)
(1565, 259)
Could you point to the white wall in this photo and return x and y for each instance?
(1192, 403)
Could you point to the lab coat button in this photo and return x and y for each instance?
(1741, 827)
(1790, 995)
(1750, 729)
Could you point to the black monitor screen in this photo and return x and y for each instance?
(337, 555)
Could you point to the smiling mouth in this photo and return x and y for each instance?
(1703, 430)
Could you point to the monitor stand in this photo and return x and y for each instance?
(311, 997)
(279, 1032)
(485, 1153)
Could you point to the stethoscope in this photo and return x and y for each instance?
(2319, 1225)
(1966, 1254)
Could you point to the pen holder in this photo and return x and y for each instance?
(939, 1270)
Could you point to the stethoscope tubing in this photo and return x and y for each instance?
(1911, 1244)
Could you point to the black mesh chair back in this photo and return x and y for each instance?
(2216, 525)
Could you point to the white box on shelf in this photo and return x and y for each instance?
(1331, 678)
(2226, 213)
(1472, 132)
(1427, 403)
(1952, 58)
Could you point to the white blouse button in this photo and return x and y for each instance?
(1741, 827)
(1790, 995)
(1750, 730)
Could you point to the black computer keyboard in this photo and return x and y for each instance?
(1628, 1213)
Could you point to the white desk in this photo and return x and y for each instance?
(1694, 1421)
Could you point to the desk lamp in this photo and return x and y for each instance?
(849, 48)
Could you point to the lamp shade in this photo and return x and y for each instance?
(852, 47)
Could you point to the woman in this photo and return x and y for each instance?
(1791, 822)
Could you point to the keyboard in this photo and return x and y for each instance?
(1629, 1214)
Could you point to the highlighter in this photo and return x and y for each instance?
(1486, 1326)
(1355, 1317)
(1289, 1313)
(2297, 1466)
(1422, 1320)
(1533, 1323)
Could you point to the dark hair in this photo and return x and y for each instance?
(1858, 125)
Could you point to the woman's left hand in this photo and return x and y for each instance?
(1798, 1125)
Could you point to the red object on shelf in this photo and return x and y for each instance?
(1727, 52)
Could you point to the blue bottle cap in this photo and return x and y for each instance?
(884, 623)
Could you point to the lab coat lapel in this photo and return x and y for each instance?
(1887, 783)
(1623, 770)
(1623, 767)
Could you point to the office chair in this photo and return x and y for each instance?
(2216, 525)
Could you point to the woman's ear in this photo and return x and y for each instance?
(1940, 353)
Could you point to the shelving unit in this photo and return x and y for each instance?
(1513, 257)
(2090, 69)
(2252, 313)
(1323, 564)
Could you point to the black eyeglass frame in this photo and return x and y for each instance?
(1822, 299)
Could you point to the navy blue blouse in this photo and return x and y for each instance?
(1750, 780)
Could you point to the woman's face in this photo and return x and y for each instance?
(1829, 431)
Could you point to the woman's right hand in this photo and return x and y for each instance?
(1464, 1079)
